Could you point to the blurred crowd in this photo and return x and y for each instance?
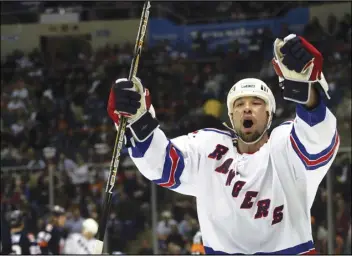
(58, 102)
(213, 11)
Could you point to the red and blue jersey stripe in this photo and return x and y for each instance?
(173, 168)
(313, 161)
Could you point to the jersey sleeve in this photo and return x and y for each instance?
(313, 145)
(172, 164)
(70, 245)
(33, 244)
(44, 237)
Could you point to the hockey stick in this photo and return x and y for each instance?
(120, 134)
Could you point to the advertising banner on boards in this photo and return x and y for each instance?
(223, 33)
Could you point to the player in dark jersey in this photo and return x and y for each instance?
(50, 239)
(5, 235)
(22, 242)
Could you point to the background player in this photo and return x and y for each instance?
(22, 242)
(50, 239)
(197, 246)
(84, 242)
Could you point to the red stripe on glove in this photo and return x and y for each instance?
(111, 107)
(318, 59)
(277, 68)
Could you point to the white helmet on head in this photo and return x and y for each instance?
(90, 225)
(251, 87)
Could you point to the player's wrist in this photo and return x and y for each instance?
(143, 127)
(314, 98)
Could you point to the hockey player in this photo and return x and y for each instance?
(254, 192)
(197, 246)
(22, 242)
(84, 242)
(51, 238)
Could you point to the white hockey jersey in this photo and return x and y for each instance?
(77, 244)
(248, 203)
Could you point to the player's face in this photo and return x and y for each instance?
(88, 235)
(249, 117)
(61, 220)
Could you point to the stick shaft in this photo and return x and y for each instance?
(121, 133)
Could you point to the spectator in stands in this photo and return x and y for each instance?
(342, 216)
(164, 225)
(344, 33)
(74, 220)
(145, 248)
(199, 45)
(66, 164)
(267, 42)
(174, 236)
(128, 213)
(41, 190)
(174, 249)
(314, 31)
(36, 162)
(332, 27)
(16, 105)
(185, 226)
(237, 12)
(116, 239)
(10, 152)
(20, 90)
(182, 206)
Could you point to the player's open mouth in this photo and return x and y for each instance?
(247, 124)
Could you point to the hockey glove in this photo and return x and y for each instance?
(131, 100)
(298, 65)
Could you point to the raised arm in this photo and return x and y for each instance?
(172, 164)
(313, 139)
